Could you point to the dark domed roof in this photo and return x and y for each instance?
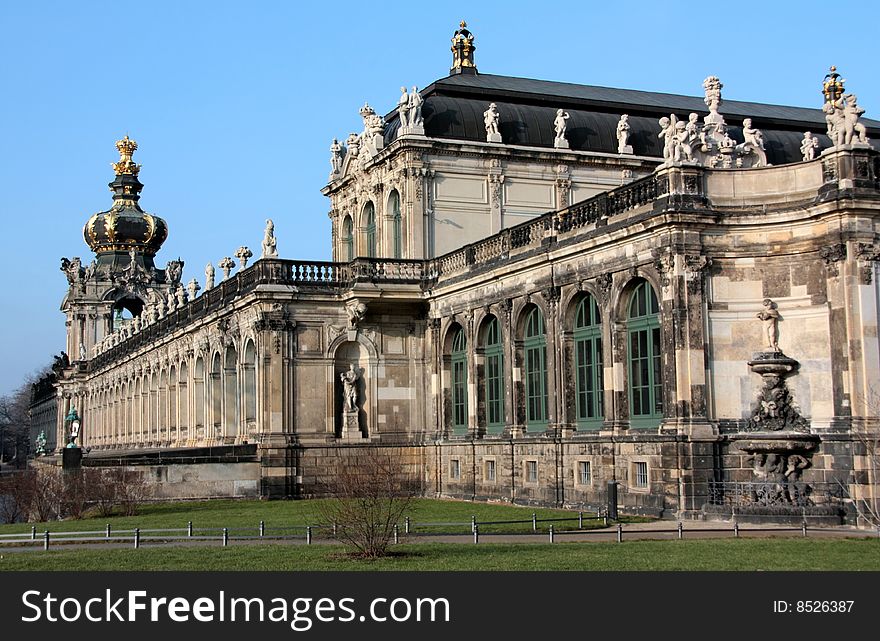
(125, 226)
(453, 109)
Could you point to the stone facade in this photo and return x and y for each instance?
(525, 324)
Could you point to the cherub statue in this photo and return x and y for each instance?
(809, 145)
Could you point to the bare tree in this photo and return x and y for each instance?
(371, 490)
(16, 495)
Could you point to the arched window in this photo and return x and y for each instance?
(459, 382)
(230, 389)
(250, 384)
(396, 224)
(216, 396)
(183, 398)
(536, 370)
(588, 363)
(199, 400)
(347, 239)
(494, 364)
(645, 368)
(369, 219)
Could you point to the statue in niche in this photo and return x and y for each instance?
(349, 388)
(809, 145)
(770, 317)
(336, 156)
(623, 129)
(559, 126)
(270, 248)
(851, 114)
(754, 139)
(209, 276)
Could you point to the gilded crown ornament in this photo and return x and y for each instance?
(126, 148)
(463, 50)
(832, 87)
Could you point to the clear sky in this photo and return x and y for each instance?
(234, 105)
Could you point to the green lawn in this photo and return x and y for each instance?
(278, 514)
(706, 554)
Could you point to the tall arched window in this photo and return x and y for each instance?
(216, 396)
(459, 382)
(230, 390)
(494, 359)
(645, 368)
(396, 224)
(588, 363)
(347, 239)
(536, 370)
(199, 401)
(369, 219)
(250, 384)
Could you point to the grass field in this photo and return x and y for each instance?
(715, 554)
(247, 513)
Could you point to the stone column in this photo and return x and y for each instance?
(553, 344)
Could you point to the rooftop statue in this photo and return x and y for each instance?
(270, 249)
(559, 125)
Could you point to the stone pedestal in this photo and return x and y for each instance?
(350, 426)
(415, 130)
(71, 458)
(626, 149)
(493, 137)
(560, 143)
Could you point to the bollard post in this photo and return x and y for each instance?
(735, 530)
(476, 535)
(406, 525)
(804, 528)
(580, 520)
(534, 522)
(551, 533)
(34, 532)
(189, 529)
(473, 522)
(619, 533)
(605, 520)
(396, 534)
(308, 535)
(334, 529)
(137, 538)
(262, 528)
(46, 540)
(225, 537)
(680, 532)
(108, 530)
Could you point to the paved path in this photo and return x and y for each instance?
(664, 530)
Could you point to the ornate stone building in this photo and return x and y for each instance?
(536, 289)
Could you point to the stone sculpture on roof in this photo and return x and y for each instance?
(559, 126)
(491, 118)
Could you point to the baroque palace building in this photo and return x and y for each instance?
(537, 288)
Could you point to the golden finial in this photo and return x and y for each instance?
(462, 24)
(126, 148)
(832, 87)
(463, 50)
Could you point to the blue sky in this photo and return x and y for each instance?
(234, 106)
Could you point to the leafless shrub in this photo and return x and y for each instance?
(132, 490)
(47, 494)
(371, 490)
(16, 494)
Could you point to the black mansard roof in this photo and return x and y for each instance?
(453, 109)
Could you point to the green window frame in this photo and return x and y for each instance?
(396, 224)
(348, 238)
(494, 363)
(535, 346)
(645, 364)
(589, 383)
(370, 219)
(459, 382)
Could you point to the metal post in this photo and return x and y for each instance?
(476, 535)
(473, 522)
(619, 533)
(225, 537)
(735, 530)
(680, 533)
(33, 532)
(804, 528)
(262, 528)
(334, 529)
(46, 540)
(137, 537)
(396, 534)
(108, 530)
(580, 520)
(308, 535)
(605, 520)
(406, 525)
(551, 533)
(534, 522)
(189, 529)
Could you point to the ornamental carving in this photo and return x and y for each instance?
(832, 255)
